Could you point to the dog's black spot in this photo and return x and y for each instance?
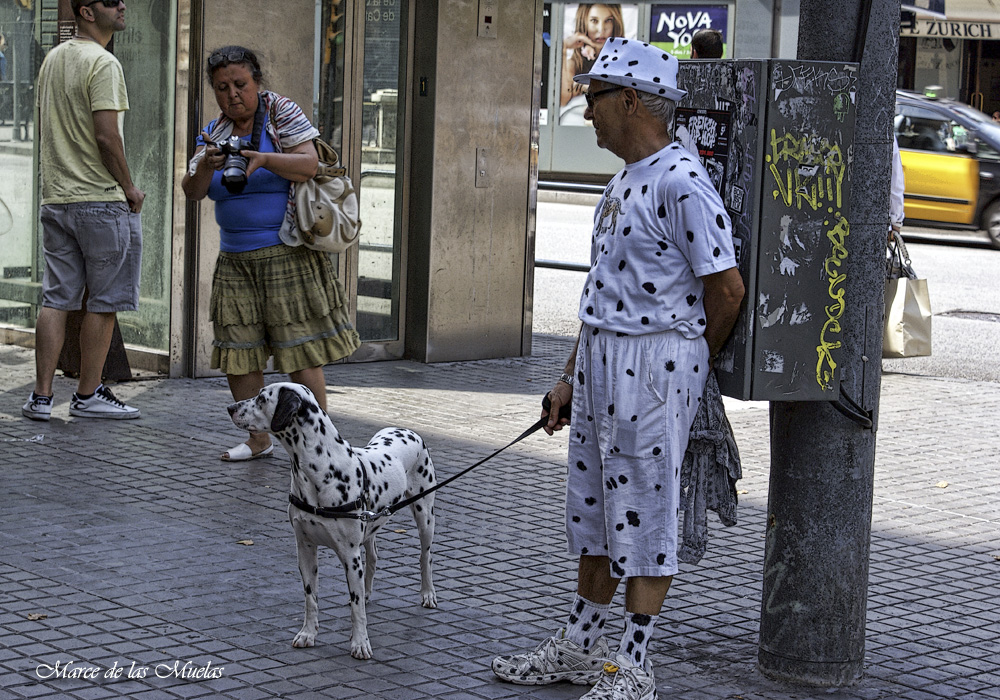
(309, 589)
(633, 518)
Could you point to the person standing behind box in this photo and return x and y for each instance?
(707, 43)
(90, 210)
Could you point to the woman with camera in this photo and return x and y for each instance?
(268, 298)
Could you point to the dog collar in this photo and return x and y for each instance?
(354, 509)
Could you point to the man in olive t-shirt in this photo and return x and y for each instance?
(90, 210)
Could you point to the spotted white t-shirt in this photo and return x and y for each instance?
(659, 226)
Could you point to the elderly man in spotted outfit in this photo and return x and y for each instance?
(659, 302)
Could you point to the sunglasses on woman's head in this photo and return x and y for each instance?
(231, 57)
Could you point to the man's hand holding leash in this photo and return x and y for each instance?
(557, 404)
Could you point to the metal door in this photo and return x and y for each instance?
(367, 99)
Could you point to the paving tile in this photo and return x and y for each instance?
(134, 558)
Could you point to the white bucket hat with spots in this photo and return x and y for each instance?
(635, 64)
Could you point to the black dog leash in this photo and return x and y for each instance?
(356, 509)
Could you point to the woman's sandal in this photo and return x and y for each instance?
(243, 453)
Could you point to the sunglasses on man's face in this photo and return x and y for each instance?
(106, 3)
(592, 96)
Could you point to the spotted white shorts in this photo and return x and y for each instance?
(633, 405)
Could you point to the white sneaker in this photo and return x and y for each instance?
(37, 407)
(623, 681)
(103, 404)
(554, 660)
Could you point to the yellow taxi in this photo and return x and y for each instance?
(951, 164)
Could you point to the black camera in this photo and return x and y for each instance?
(234, 170)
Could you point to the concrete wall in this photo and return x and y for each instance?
(282, 36)
(466, 284)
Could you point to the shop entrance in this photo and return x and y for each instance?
(360, 110)
(982, 75)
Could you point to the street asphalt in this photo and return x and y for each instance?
(135, 564)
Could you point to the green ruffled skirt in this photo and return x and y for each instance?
(280, 301)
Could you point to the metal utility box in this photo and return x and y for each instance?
(776, 137)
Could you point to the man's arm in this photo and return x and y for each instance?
(562, 393)
(112, 149)
(723, 294)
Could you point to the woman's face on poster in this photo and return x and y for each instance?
(600, 24)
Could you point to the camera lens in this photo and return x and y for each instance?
(234, 170)
(234, 174)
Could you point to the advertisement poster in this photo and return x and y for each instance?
(585, 29)
(671, 26)
(705, 133)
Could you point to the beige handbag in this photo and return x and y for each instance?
(327, 205)
(907, 331)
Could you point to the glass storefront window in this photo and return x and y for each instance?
(146, 50)
(378, 296)
(19, 271)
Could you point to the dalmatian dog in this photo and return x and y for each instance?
(328, 473)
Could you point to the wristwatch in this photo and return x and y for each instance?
(566, 378)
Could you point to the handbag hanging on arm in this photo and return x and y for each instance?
(327, 205)
(907, 331)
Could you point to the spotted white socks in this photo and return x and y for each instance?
(586, 622)
(638, 630)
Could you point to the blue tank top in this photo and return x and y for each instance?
(251, 219)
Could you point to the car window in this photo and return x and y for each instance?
(990, 130)
(985, 151)
(922, 129)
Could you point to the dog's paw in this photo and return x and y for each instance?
(361, 649)
(304, 639)
(428, 599)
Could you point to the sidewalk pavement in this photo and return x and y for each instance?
(126, 545)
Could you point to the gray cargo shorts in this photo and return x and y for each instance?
(95, 246)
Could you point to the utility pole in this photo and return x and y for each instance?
(815, 586)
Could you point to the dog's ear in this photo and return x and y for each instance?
(288, 405)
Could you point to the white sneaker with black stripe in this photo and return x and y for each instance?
(103, 404)
(37, 407)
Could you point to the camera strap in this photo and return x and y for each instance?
(258, 125)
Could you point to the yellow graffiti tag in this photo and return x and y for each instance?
(813, 172)
(825, 364)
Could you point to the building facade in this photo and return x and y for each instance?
(444, 113)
